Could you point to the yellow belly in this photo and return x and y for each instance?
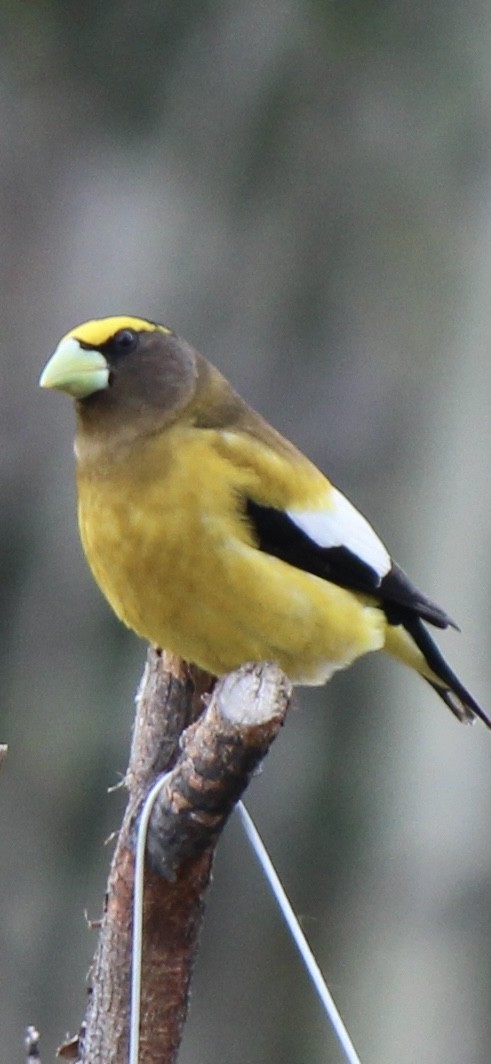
(177, 564)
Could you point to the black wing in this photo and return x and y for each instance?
(277, 534)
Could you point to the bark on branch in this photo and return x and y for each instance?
(209, 746)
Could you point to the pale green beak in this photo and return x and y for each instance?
(75, 370)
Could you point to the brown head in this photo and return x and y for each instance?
(120, 368)
(131, 374)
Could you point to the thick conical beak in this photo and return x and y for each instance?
(75, 370)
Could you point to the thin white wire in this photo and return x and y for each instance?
(298, 936)
(137, 946)
(283, 903)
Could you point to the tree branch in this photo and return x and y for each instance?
(209, 754)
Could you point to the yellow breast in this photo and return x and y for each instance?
(163, 531)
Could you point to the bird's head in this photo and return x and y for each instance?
(123, 364)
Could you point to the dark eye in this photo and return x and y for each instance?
(124, 341)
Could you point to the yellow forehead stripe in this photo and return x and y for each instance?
(100, 330)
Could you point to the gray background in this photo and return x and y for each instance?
(302, 190)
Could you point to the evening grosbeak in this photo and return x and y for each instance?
(213, 536)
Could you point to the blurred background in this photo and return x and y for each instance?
(302, 189)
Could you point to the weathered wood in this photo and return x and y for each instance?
(209, 744)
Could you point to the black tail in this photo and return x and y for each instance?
(451, 690)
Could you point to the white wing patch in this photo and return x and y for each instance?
(343, 526)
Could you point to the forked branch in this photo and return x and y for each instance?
(208, 739)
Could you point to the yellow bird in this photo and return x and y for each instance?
(213, 536)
